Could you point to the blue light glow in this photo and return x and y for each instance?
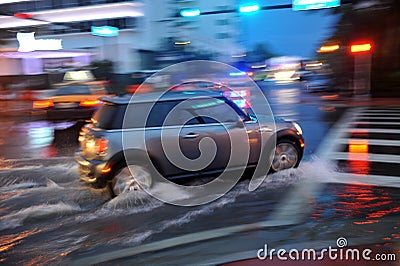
(190, 12)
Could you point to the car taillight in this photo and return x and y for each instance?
(42, 104)
(90, 103)
(101, 146)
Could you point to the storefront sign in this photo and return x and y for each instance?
(314, 4)
(105, 31)
(28, 43)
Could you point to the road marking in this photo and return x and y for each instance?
(373, 180)
(378, 118)
(388, 112)
(370, 157)
(175, 241)
(382, 110)
(374, 142)
(339, 131)
(375, 123)
(371, 130)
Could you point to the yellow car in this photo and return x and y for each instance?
(70, 102)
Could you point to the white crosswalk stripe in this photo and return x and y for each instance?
(366, 147)
(370, 157)
(377, 142)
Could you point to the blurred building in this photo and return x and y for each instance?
(143, 29)
(217, 33)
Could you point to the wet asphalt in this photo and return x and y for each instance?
(341, 189)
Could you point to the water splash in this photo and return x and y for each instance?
(37, 212)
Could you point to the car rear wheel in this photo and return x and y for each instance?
(131, 178)
(286, 155)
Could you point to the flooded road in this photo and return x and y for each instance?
(50, 218)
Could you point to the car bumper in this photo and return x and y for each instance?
(90, 171)
(65, 114)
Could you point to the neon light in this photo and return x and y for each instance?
(314, 4)
(105, 31)
(235, 74)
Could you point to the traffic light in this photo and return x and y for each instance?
(328, 48)
(249, 8)
(192, 12)
(361, 48)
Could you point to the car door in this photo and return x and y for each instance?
(224, 136)
(173, 137)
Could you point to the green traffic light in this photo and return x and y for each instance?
(193, 12)
(249, 8)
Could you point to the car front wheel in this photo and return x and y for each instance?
(131, 178)
(286, 155)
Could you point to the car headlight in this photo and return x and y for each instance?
(298, 127)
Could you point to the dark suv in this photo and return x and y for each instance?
(197, 115)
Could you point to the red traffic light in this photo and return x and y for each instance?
(361, 48)
(23, 15)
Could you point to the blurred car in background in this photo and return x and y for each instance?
(318, 83)
(70, 102)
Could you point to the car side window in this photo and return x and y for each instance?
(171, 113)
(213, 110)
(191, 112)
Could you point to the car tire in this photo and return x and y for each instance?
(287, 155)
(123, 181)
